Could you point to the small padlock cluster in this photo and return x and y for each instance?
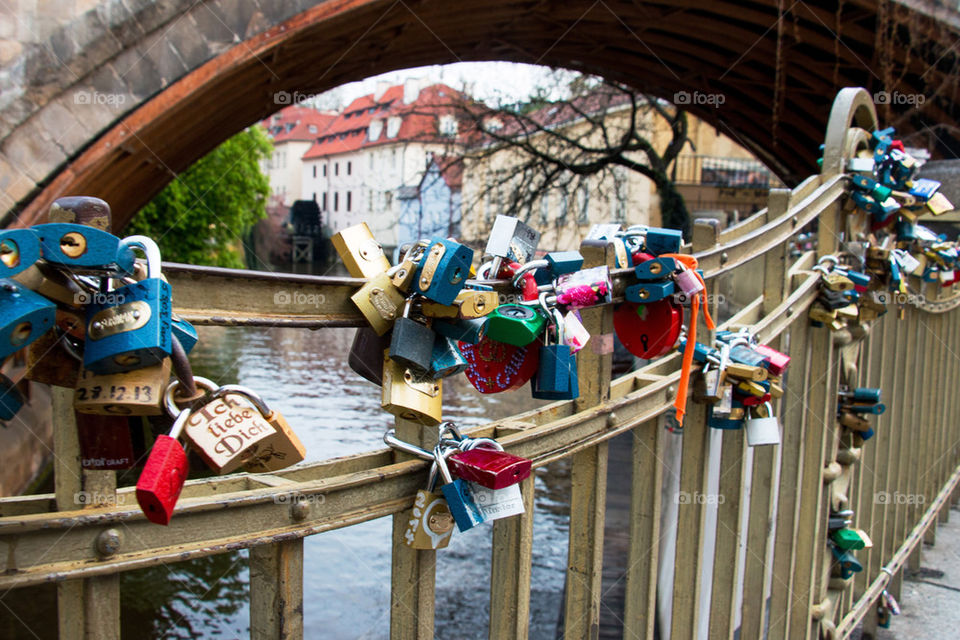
(843, 540)
(854, 405)
(843, 290)
(885, 183)
(478, 482)
(93, 318)
(739, 380)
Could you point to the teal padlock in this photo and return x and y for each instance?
(646, 292)
(24, 316)
(447, 359)
(515, 324)
(656, 269)
(84, 249)
(19, 249)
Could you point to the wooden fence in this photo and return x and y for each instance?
(769, 544)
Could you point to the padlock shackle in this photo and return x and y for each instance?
(150, 248)
(238, 389)
(391, 440)
(529, 266)
(180, 423)
(441, 461)
(168, 395)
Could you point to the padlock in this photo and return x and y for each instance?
(164, 473)
(775, 362)
(11, 399)
(19, 250)
(366, 354)
(24, 316)
(497, 366)
(752, 388)
(744, 354)
(106, 442)
(836, 282)
(138, 392)
(487, 464)
(584, 288)
(403, 275)
(575, 335)
(84, 249)
(861, 394)
(713, 379)
(511, 241)
(469, 330)
(411, 344)
(854, 422)
(746, 372)
(446, 360)
(431, 523)
(763, 430)
(655, 269)
(716, 419)
(647, 292)
(515, 324)
(648, 330)
(49, 362)
(659, 241)
(380, 302)
(939, 204)
(876, 408)
(469, 303)
(849, 539)
(443, 270)
(458, 494)
(362, 255)
(281, 448)
(556, 377)
(558, 264)
(408, 396)
(185, 332)
(847, 563)
(689, 283)
(132, 328)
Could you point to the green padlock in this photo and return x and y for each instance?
(848, 539)
(515, 324)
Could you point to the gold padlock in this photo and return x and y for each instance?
(836, 282)
(754, 389)
(409, 397)
(133, 393)
(403, 275)
(360, 251)
(52, 284)
(49, 362)
(776, 391)
(819, 314)
(380, 302)
(853, 421)
(746, 372)
(851, 312)
(431, 523)
(939, 204)
(469, 303)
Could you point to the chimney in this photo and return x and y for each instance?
(411, 90)
(382, 86)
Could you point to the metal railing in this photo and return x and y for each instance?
(771, 540)
(725, 172)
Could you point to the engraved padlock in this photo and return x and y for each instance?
(409, 396)
(361, 253)
(380, 302)
(510, 241)
(24, 316)
(19, 250)
(131, 393)
(443, 270)
(497, 366)
(131, 328)
(763, 430)
(163, 475)
(431, 524)
(556, 377)
(84, 249)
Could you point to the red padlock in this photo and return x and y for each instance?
(489, 466)
(105, 442)
(495, 366)
(162, 478)
(648, 330)
(754, 401)
(640, 256)
(775, 361)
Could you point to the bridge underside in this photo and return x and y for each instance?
(778, 74)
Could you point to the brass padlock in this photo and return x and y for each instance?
(52, 284)
(939, 204)
(360, 251)
(836, 282)
(819, 314)
(404, 274)
(49, 362)
(850, 312)
(431, 524)
(408, 396)
(746, 372)
(854, 422)
(380, 302)
(776, 391)
(134, 393)
(470, 303)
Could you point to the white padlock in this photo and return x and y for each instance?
(763, 431)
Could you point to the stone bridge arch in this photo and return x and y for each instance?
(119, 99)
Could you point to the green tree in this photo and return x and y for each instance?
(204, 215)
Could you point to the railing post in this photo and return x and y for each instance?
(589, 468)
(276, 590)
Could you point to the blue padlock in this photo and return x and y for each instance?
(649, 291)
(19, 249)
(469, 330)
(701, 352)
(924, 188)
(866, 203)
(84, 249)
(556, 377)
(906, 230)
(132, 327)
(656, 269)
(558, 263)
(11, 400)
(862, 394)
(876, 408)
(459, 497)
(849, 564)
(718, 422)
(185, 332)
(24, 316)
(443, 270)
(660, 240)
(895, 272)
(446, 359)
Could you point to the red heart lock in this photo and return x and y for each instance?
(648, 330)
(496, 366)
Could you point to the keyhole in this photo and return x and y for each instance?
(457, 276)
(73, 244)
(643, 341)
(9, 253)
(20, 333)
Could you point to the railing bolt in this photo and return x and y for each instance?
(612, 419)
(794, 220)
(724, 257)
(108, 542)
(300, 510)
(671, 390)
(789, 311)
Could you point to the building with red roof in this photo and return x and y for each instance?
(293, 130)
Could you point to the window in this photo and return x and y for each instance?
(324, 201)
(336, 201)
(349, 199)
(545, 207)
(393, 126)
(349, 169)
(324, 171)
(312, 128)
(448, 126)
(564, 205)
(583, 203)
(336, 168)
(314, 173)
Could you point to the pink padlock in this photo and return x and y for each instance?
(689, 283)
(775, 361)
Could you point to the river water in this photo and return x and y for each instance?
(304, 374)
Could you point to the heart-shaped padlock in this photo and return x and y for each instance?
(648, 330)
(496, 366)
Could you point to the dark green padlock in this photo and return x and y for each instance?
(515, 324)
(411, 344)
